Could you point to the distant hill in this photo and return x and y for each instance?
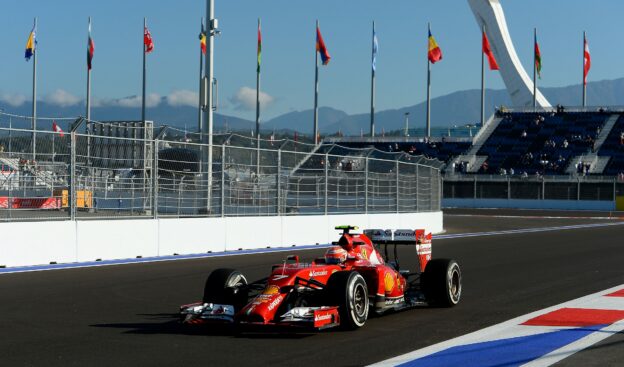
(458, 108)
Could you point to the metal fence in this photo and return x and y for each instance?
(539, 188)
(82, 175)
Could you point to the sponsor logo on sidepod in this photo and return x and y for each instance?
(317, 273)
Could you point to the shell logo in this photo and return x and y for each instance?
(388, 282)
(271, 289)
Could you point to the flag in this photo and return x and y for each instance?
(375, 49)
(202, 40)
(147, 41)
(57, 129)
(259, 45)
(538, 59)
(487, 50)
(90, 49)
(30, 44)
(435, 53)
(586, 62)
(320, 47)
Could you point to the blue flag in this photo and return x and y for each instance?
(375, 49)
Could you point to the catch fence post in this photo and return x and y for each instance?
(72, 177)
(223, 180)
(397, 185)
(366, 185)
(155, 179)
(278, 179)
(326, 180)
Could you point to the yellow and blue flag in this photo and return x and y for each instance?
(31, 44)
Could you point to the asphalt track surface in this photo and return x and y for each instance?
(126, 315)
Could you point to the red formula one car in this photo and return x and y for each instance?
(342, 288)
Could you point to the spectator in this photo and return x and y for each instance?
(524, 134)
(511, 171)
(622, 138)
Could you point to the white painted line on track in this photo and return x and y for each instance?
(482, 341)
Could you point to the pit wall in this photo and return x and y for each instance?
(39, 243)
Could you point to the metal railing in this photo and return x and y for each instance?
(80, 175)
(593, 188)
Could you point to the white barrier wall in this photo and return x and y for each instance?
(39, 243)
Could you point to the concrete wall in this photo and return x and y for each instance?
(38, 243)
(529, 204)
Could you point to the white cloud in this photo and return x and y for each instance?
(245, 99)
(179, 98)
(13, 100)
(61, 98)
(151, 100)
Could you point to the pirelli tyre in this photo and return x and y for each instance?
(348, 291)
(442, 282)
(226, 286)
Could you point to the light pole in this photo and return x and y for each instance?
(406, 124)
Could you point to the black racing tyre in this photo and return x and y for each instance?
(442, 282)
(348, 291)
(226, 286)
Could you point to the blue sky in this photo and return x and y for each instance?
(288, 49)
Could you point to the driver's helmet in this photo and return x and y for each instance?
(335, 255)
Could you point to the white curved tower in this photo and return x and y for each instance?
(489, 13)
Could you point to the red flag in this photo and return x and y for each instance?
(90, 48)
(147, 41)
(586, 62)
(57, 129)
(487, 50)
(320, 47)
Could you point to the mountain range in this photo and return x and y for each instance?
(458, 108)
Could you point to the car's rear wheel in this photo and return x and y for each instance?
(226, 286)
(348, 291)
(442, 282)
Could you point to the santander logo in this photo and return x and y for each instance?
(323, 317)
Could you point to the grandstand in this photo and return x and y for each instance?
(551, 142)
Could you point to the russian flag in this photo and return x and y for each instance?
(90, 48)
(320, 47)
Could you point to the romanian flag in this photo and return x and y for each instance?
(586, 61)
(30, 44)
(90, 49)
(147, 41)
(202, 40)
(538, 59)
(320, 47)
(435, 53)
(487, 50)
(259, 45)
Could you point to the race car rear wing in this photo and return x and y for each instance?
(417, 238)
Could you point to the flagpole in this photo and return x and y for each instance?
(88, 97)
(583, 82)
(201, 76)
(89, 79)
(258, 104)
(428, 119)
(372, 117)
(316, 88)
(534, 68)
(144, 71)
(211, 30)
(482, 78)
(34, 96)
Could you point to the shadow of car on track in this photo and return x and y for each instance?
(170, 324)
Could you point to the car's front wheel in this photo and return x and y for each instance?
(226, 286)
(348, 291)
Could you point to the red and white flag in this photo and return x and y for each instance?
(147, 41)
(586, 62)
(57, 129)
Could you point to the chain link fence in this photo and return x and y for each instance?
(130, 169)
